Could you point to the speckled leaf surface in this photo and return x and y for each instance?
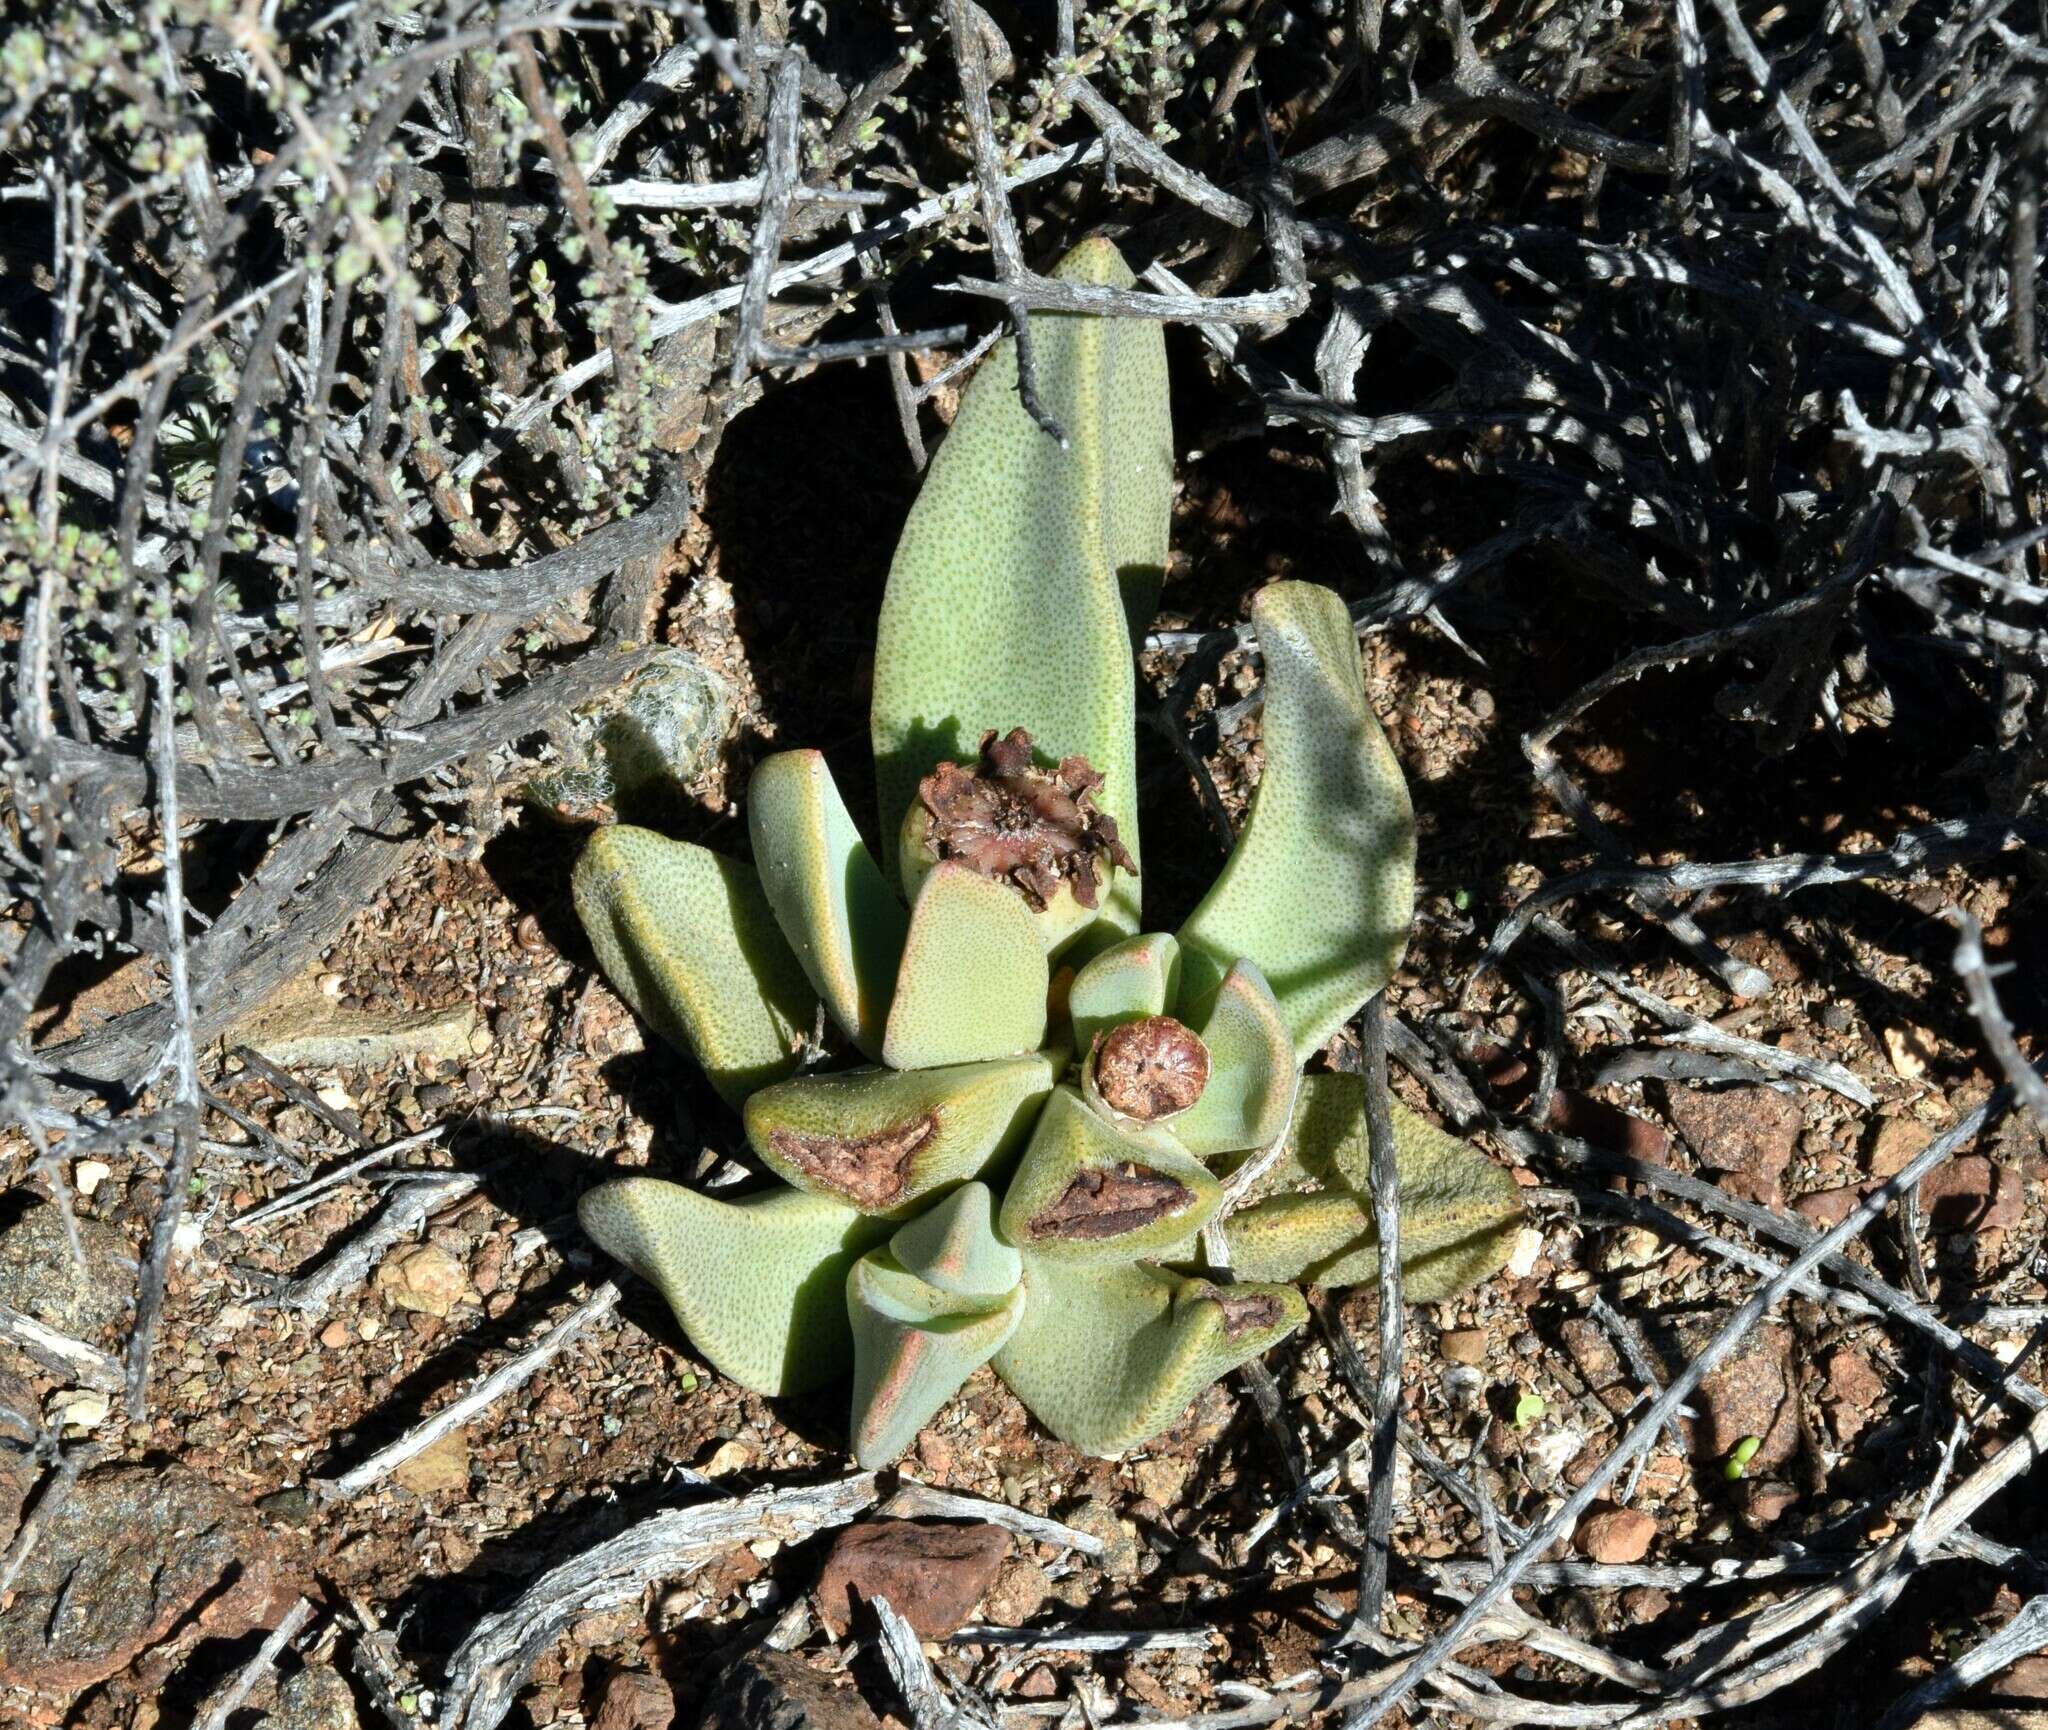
(1320, 887)
(1088, 1190)
(836, 908)
(913, 1345)
(883, 1139)
(1459, 1210)
(953, 1245)
(758, 1284)
(1109, 1355)
(1252, 1070)
(1022, 565)
(689, 940)
(973, 979)
(1137, 977)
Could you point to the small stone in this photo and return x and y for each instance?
(1747, 1133)
(444, 1465)
(78, 1409)
(1020, 1592)
(2026, 1680)
(1098, 1519)
(1971, 1193)
(88, 1174)
(1589, 1348)
(1040, 1682)
(39, 1277)
(1522, 1258)
(727, 1458)
(425, 1279)
(1760, 1502)
(770, 1690)
(634, 1700)
(1588, 1119)
(1641, 1604)
(1899, 1141)
(1610, 1534)
(315, 1698)
(1854, 1391)
(1910, 1049)
(1161, 1480)
(933, 1575)
(1463, 1345)
(1749, 1393)
(1827, 1208)
(335, 1335)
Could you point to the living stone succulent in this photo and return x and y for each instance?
(1048, 1099)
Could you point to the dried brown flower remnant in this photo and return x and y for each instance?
(1245, 1311)
(1005, 818)
(1151, 1068)
(1109, 1201)
(869, 1170)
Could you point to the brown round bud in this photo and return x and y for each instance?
(1150, 1069)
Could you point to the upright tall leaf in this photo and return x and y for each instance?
(1024, 568)
(1320, 888)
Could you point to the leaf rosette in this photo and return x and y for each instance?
(1020, 1170)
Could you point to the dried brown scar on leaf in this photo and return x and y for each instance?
(1109, 1201)
(1150, 1069)
(1245, 1312)
(869, 1170)
(1008, 820)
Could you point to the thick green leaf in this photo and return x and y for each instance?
(689, 940)
(1459, 1210)
(882, 1139)
(1024, 570)
(1109, 1355)
(759, 1284)
(1090, 1190)
(835, 906)
(1252, 1070)
(1138, 977)
(1320, 888)
(913, 1345)
(953, 1245)
(1059, 923)
(973, 979)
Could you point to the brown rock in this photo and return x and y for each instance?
(1641, 1604)
(425, 1279)
(1746, 1132)
(1020, 1592)
(1760, 1503)
(1592, 1351)
(131, 1557)
(1589, 1119)
(39, 1277)
(1824, 1209)
(1971, 1194)
(2026, 1680)
(770, 1690)
(1611, 1534)
(1899, 1139)
(1120, 1556)
(444, 1465)
(1041, 1682)
(634, 1700)
(933, 1575)
(1854, 1390)
(1749, 1393)
(1463, 1345)
(315, 1698)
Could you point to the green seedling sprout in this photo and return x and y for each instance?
(1739, 1457)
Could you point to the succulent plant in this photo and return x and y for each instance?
(1051, 1097)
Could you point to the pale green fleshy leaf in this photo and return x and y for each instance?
(882, 1139)
(1090, 1190)
(1022, 566)
(1138, 977)
(1320, 887)
(1109, 1355)
(1459, 1210)
(835, 906)
(689, 940)
(972, 983)
(953, 1245)
(758, 1284)
(913, 1345)
(1252, 1070)
(1059, 923)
